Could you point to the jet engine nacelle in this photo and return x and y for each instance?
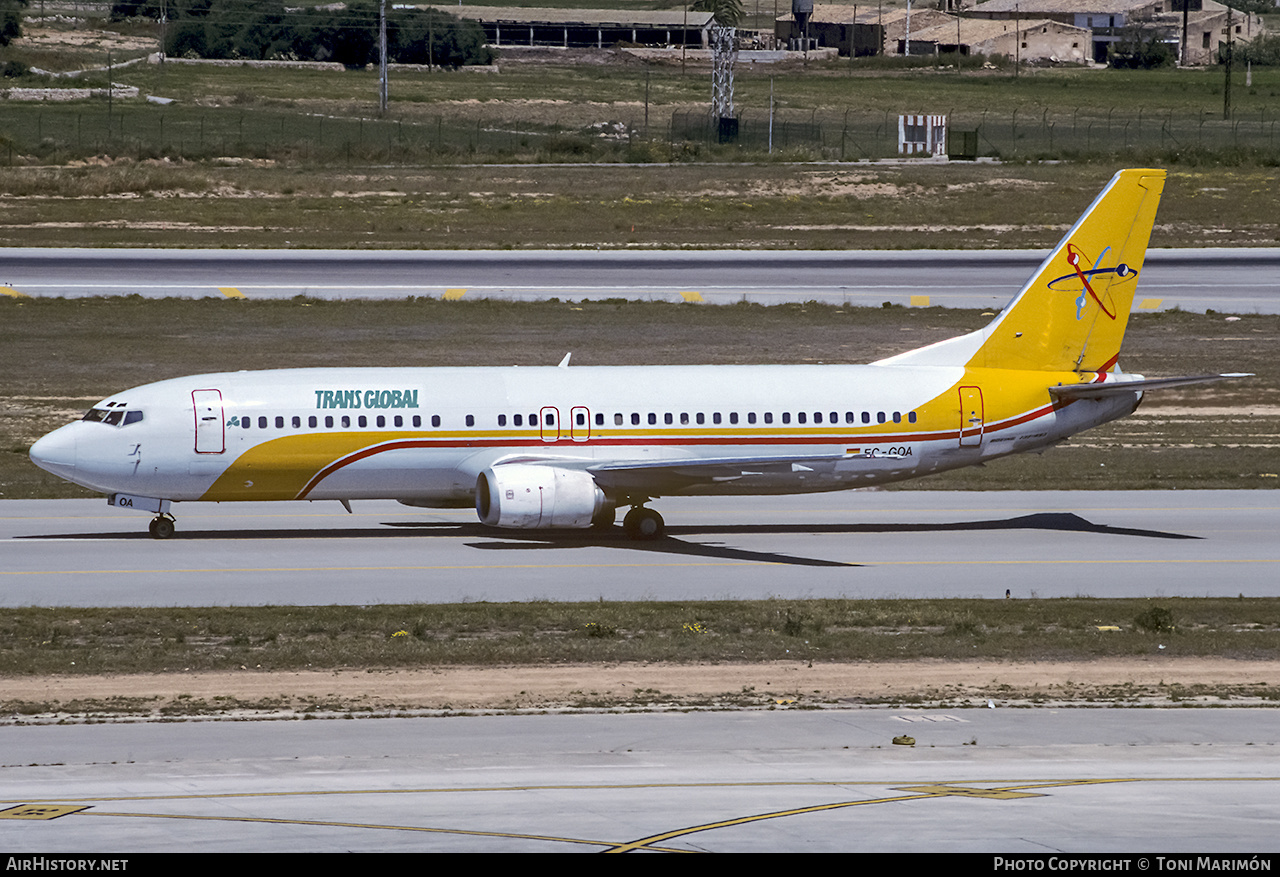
(524, 496)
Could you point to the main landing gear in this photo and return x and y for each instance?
(643, 523)
(161, 527)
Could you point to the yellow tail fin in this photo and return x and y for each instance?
(1072, 313)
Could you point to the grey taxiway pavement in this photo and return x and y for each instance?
(1013, 781)
(1165, 783)
(1226, 280)
(850, 544)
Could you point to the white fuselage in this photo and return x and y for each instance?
(423, 435)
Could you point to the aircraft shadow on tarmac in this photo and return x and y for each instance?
(518, 540)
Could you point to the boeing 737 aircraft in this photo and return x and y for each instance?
(565, 446)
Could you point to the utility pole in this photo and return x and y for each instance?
(1017, 39)
(382, 58)
(1182, 58)
(1226, 88)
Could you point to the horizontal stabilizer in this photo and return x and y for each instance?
(1095, 391)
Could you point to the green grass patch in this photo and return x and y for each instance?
(276, 638)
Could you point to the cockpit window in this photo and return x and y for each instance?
(112, 416)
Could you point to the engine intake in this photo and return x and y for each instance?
(525, 496)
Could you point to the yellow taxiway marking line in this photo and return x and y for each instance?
(230, 292)
(376, 826)
(480, 566)
(691, 296)
(475, 566)
(937, 790)
(1150, 304)
(10, 291)
(454, 294)
(919, 301)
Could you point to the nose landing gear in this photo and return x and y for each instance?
(161, 527)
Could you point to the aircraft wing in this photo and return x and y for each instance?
(668, 476)
(1097, 391)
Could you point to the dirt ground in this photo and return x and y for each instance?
(1150, 680)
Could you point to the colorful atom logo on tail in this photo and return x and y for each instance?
(1087, 273)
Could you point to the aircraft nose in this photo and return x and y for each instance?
(56, 452)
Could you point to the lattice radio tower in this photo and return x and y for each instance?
(724, 52)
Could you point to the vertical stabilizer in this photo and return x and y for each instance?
(1072, 313)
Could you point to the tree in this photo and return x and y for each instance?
(727, 12)
(1140, 48)
(11, 20)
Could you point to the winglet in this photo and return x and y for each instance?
(564, 363)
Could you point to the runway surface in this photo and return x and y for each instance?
(1156, 782)
(851, 544)
(1226, 280)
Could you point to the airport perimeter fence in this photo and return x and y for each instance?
(32, 133)
(848, 135)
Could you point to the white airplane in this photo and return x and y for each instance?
(565, 446)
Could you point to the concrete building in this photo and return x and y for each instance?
(1114, 20)
(1029, 41)
(514, 26)
(861, 29)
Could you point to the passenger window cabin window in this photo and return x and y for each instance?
(399, 421)
(517, 419)
(533, 420)
(346, 421)
(581, 419)
(362, 421)
(471, 420)
(311, 422)
(768, 417)
(684, 418)
(801, 417)
(834, 417)
(549, 420)
(617, 419)
(328, 421)
(733, 417)
(911, 417)
(279, 423)
(653, 419)
(668, 418)
(635, 418)
(262, 423)
(751, 417)
(897, 417)
(502, 420)
(786, 417)
(715, 417)
(245, 422)
(382, 421)
(848, 417)
(866, 417)
(297, 422)
(880, 418)
(817, 417)
(701, 418)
